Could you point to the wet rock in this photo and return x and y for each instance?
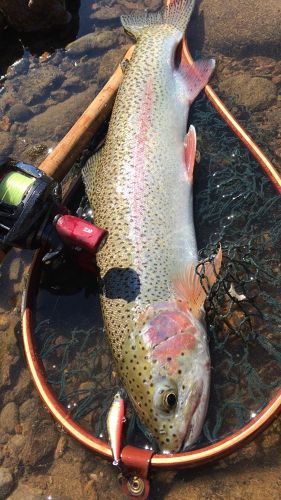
(16, 444)
(39, 108)
(104, 482)
(237, 27)
(41, 440)
(60, 95)
(109, 62)
(278, 152)
(6, 142)
(28, 409)
(67, 482)
(5, 380)
(4, 322)
(34, 15)
(255, 93)
(273, 116)
(93, 42)
(19, 113)
(61, 447)
(113, 12)
(9, 417)
(64, 114)
(73, 84)
(153, 5)
(6, 482)
(90, 491)
(22, 388)
(106, 13)
(87, 70)
(4, 437)
(11, 342)
(39, 82)
(27, 492)
(19, 67)
(35, 154)
(5, 123)
(18, 129)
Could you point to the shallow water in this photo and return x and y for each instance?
(55, 89)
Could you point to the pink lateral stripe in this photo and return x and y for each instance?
(138, 172)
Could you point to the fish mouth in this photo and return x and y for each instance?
(196, 420)
(191, 431)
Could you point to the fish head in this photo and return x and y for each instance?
(167, 373)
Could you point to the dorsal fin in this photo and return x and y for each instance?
(188, 287)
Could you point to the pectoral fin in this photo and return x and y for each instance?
(190, 152)
(192, 286)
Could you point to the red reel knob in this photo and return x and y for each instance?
(77, 232)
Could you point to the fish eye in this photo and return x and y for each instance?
(169, 400)
(166, 396)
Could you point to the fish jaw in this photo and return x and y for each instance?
(166, 368)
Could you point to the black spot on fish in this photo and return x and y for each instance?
(119, 283)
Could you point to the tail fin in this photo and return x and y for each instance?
(176, 13)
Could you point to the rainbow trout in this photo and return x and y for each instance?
(140, 188)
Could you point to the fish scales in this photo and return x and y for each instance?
(139, 190)
(136, 178)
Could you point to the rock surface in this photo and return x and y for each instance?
(27, 492)
(9, 417)
(41, 440)
(255, 93)
(42, 80)
(33, 15)
(20, 113)
(6, 483)
(237, 27)
(93, 41)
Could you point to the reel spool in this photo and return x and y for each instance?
(31, 215)
(27, 199)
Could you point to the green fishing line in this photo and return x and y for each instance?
(13, 187)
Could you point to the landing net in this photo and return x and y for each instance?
(235, 205)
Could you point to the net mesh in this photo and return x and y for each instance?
(235, 205)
